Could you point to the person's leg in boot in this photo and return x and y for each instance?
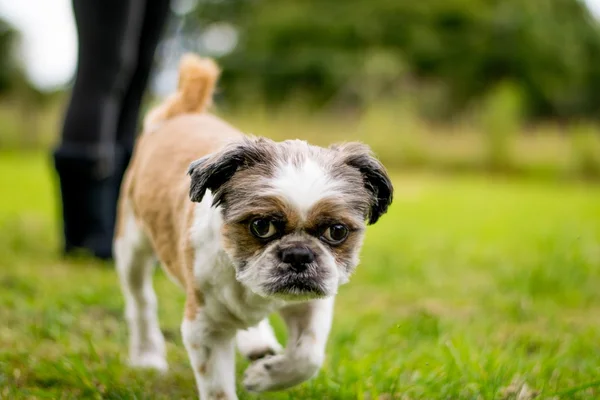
(156, 15)
(87, 154)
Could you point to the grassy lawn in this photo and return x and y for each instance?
(469, 288)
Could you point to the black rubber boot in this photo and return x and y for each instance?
(87, 188)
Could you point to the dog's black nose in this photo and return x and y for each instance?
(297, 257)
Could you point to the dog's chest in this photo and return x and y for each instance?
(230, 304)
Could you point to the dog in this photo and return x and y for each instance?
(246, 226)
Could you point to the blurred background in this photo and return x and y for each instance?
(452, 85)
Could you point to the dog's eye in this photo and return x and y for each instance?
(263, 228)
(335, 234)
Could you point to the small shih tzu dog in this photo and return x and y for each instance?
(254, 227)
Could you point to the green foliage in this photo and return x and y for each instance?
(586, 150)
(451, 300)
(501, 123)
(550, 49)
(8, 67)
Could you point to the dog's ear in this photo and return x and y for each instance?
(213, 171)
(375, 176)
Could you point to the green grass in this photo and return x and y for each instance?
(469, 288)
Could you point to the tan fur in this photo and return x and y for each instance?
(236, 236)
(197, 80)
(156, 188)
(156, 185)
(332, 209)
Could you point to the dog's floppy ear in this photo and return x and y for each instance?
(213, 171)
(375, 176)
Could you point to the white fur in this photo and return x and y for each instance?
(227, 302)
(212, 356)
(258, 340)
(231, 309)
(135, 264)
(308, 328)
(304, 185)
(253, 276)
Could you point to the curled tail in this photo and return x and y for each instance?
(197, 79)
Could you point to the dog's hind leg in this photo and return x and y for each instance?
(258, 341)
(135, 263)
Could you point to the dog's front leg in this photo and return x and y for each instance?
(212, 356)
(308, 328)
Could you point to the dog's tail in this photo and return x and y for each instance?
(197, 79)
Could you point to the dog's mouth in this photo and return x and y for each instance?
(297, 287)
(285, 283)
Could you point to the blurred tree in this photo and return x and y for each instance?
(8, 65)
(26, 99)
(322, 49)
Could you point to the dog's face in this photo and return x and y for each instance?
(294, 214)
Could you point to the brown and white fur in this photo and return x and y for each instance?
(212, 231)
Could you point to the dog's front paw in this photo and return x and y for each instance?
(151, 361)
(258, 342)
(278, 372)
(259, 375)
(256, 351)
